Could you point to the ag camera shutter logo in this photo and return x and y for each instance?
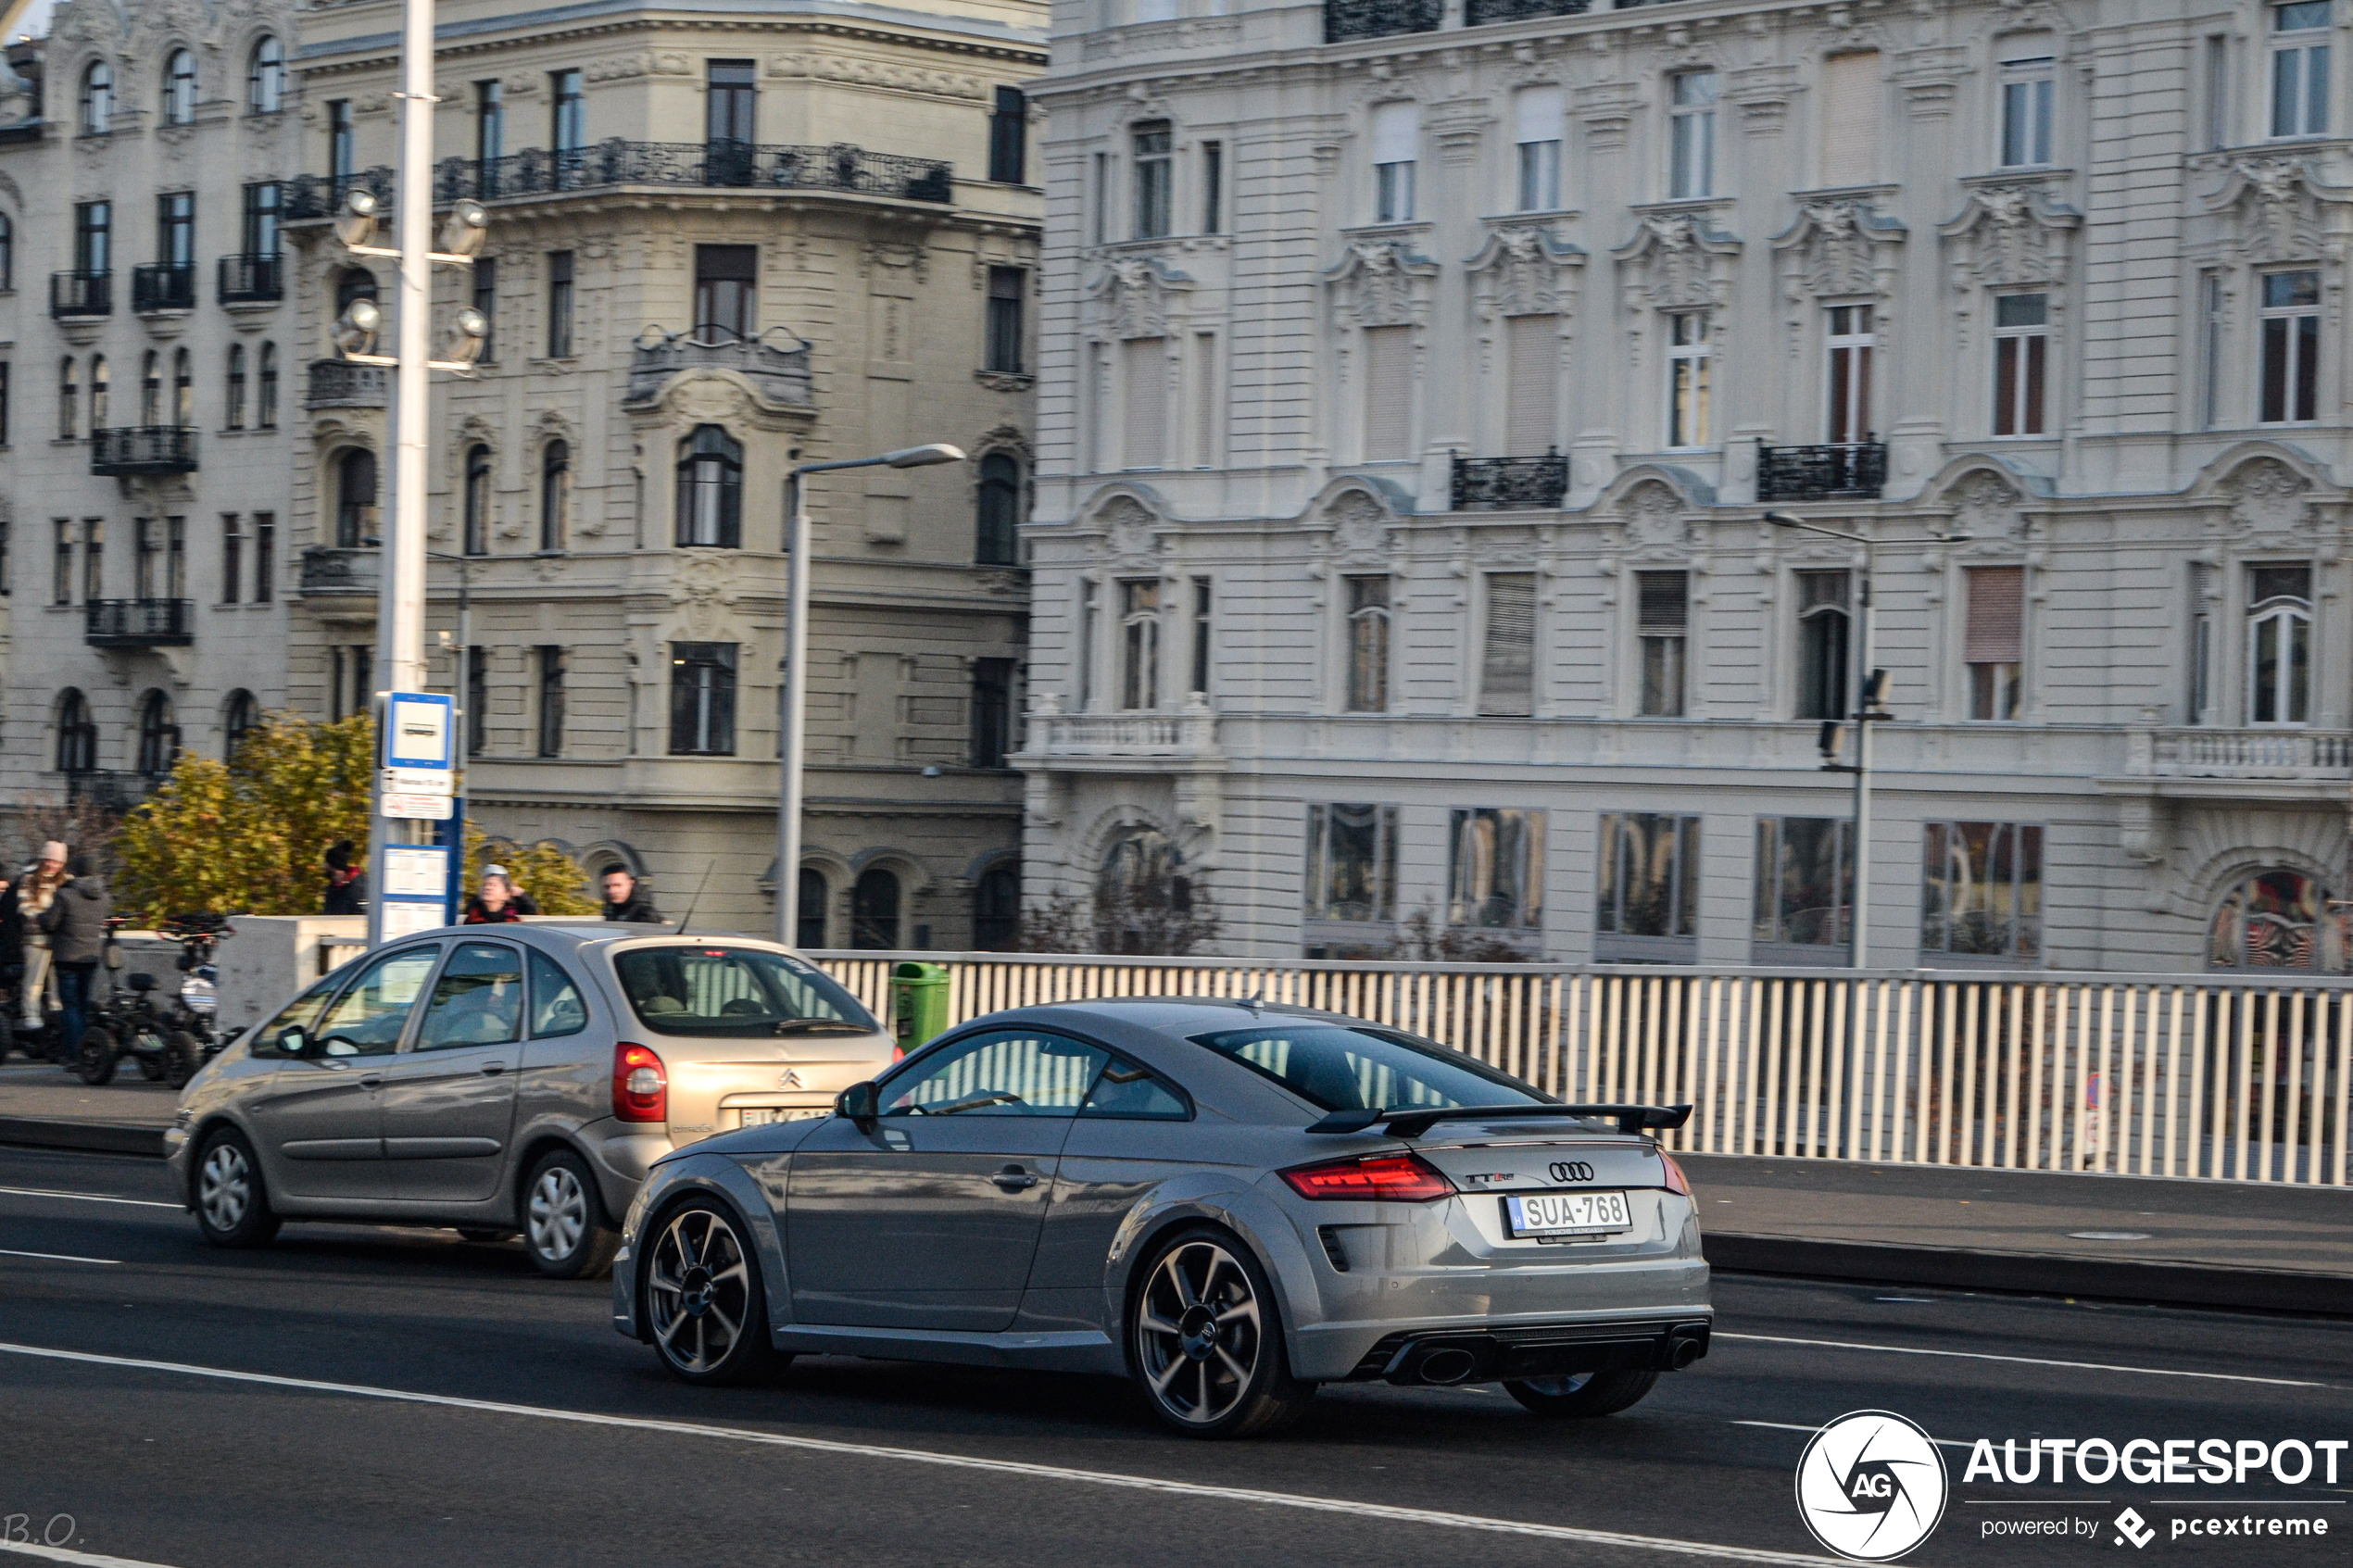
(1871, 1485)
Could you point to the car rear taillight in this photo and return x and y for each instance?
(1378, 1178)
(1676, 1180)
(640, 1089)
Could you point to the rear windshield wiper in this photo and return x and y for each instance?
(819, 1026)
(1413, 1121)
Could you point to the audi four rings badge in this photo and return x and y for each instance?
(1571, 1171)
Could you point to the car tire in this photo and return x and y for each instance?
(704, 1299)
(1205, 1339)
(95, 1062)
(564, 1228)
(1583, 1393)
(231, 1203)
(182, 1057)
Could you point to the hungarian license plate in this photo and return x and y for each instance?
(762, 1115)
(1566, 1214)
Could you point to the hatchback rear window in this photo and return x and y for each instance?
(1340, 1069)
(742, 992)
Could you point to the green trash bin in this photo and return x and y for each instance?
(918, 1002)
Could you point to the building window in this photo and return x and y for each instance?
(93, 238)
(1352, 863)
(1850, 341)
(812, 918)
(551, 699)
(1497, 874)
(1006, 285)
(68, 400)
(1396, 138)
(1088, 618)
(475, 540)
(731, 105)
(1647, 886)
(1143, 364)
(560, 305)
(1153, 147)
(343, 153)
(1101, 227)
(1983, 898)
(1199, 685)
(992, 711)
(703, 699)
(146, 550)
(555, 497)
(486, 299)
(477, 702)
(1691, 135)
(265, 557)
(236, 398)
(1367, 645)
(1823, 617)
(2300, 68)
(183, 389)
(1994, 646)
(2021, 362)
(159, 736)
(101, 393)
(151, 389)
(2210, 300)
(94, 558)
(1805, 883)
(239, 716)
(97, 99)
(1689, 356)
(996, 540)
(2279, 644)
(233, 558)
(2026, 111)
(356, 499)
(568, 127)
(352, 679)
(2218, 92)
(265, 403)
(7, 254)
(874, 910)
(490, 132)
(2198, 701)
(1661, 630)
(61, 562)
(1140, 645)
(1507, 668)
(711, 489)
(2280, 918)
(266, 77)
(1008, 137)
(175, 558)
(1539, 114)
(180, 88)
(1852, 96)
(77, 735)
(997, 910)
(726, 285)
(1213, 187)
(2291, 319)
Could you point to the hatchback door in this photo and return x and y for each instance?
(321, 1115)
(449, 1100)
(928, 1217)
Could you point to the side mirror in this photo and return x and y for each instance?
(291, 1042)
(857, 1102)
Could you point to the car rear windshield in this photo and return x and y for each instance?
(743, 991)
(1337, 1068)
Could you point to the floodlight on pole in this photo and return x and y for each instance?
(356, 330)
(355, 223)
(463, 232)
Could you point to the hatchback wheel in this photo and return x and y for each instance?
(1205, 1340)
(1583, 1393)
(232, 1209)
(564, 1227)
(704, 1301)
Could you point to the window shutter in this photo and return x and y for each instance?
(1506, 686)
(1389, 393)
(1396, 127)
(1533, 345)
(1850, 119)
(1665, 601)
(1537, 114)
(1996, 611)
(1145, 361)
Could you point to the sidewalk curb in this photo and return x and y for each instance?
(92, 1137)
(2036, 1273)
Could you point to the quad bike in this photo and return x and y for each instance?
(168, 1042)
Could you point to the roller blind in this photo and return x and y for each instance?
(1507, 678)
(1534, 348)
(1996, 611)
(1537, 114)
(1850, 119)
(1396, 127)
(1665, 601)
(1145, 363)
(1389, 393)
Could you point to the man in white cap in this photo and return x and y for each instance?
(35, 894)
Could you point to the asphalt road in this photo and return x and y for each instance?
(544, 1437)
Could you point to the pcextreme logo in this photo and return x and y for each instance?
(1871, 1485)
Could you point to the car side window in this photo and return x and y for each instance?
(477, 1001)
(998, 1073)
(367, 1019)
(301, 1014)
(1135, 1094)
(556, 1005)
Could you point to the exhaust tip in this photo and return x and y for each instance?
(1447, 1364)
(1682, 1351)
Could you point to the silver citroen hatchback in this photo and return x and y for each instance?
(510, 1078)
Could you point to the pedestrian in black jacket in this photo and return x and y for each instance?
(624, 901)
(76, 921)
(11, 960)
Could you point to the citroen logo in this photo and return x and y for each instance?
(791, 1080)
(1571, 1171)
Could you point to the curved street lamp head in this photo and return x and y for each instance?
(922, 456)
(1784, 519)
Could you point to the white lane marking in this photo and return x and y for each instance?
(60, 1554)
(55, 1257)
(1798, 1426)
(91, 1197)
(963, 1462)
(2022, 1361)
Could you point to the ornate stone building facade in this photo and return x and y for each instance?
(1419, 376)
(146, 325)
(721, 240)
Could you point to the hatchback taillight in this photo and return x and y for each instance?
(1378, 1178)
(640, 1089)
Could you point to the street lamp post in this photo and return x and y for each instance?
(796, 714)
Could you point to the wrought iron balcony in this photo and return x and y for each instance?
(251, 280)
(778, 372)
(727, 165)
(319, 196)
(339, 383)
(136, 449)
(157, 286)
(1850, 469)
(1511, 484)
(80, 294)
(330, 571)
(1478, 13)
(1344, 19)
(139, 623)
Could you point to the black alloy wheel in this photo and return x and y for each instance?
(704, 1299)
(1205, 1339)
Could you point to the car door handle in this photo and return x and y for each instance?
(372, 1080)
(1012, 1178)
(492, 1068)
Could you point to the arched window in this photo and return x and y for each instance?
(997, 909)
(874, 911)
(1141, 892)
(998, 542)
(356, 498)
(180, 88)
(810, 919)
(2279, 644)
(77, 737)
(353, 282)
(1822, 625)
(97, 99)
(265, 403)
(159, 736)
(151, 389)
(477, 507)
(2279, 919)
(183, 389)
(238, 717)
(68, 400)
(266, 77)
(236, 399)
(711, 489)
(555, 495)
(101, 391)
(7, 253)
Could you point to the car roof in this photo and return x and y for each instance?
(1180, 1015)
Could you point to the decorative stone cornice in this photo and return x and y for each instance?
(1381, 283)
(1523, 271)
(1677, 260)
(2008, 234)
(1839, 247)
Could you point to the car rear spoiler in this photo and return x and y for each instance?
(1412, 1121)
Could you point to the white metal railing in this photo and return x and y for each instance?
(2242, 754)
(2164, 1075)
(1189, 733)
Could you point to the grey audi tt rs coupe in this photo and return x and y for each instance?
(1228, 1203)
